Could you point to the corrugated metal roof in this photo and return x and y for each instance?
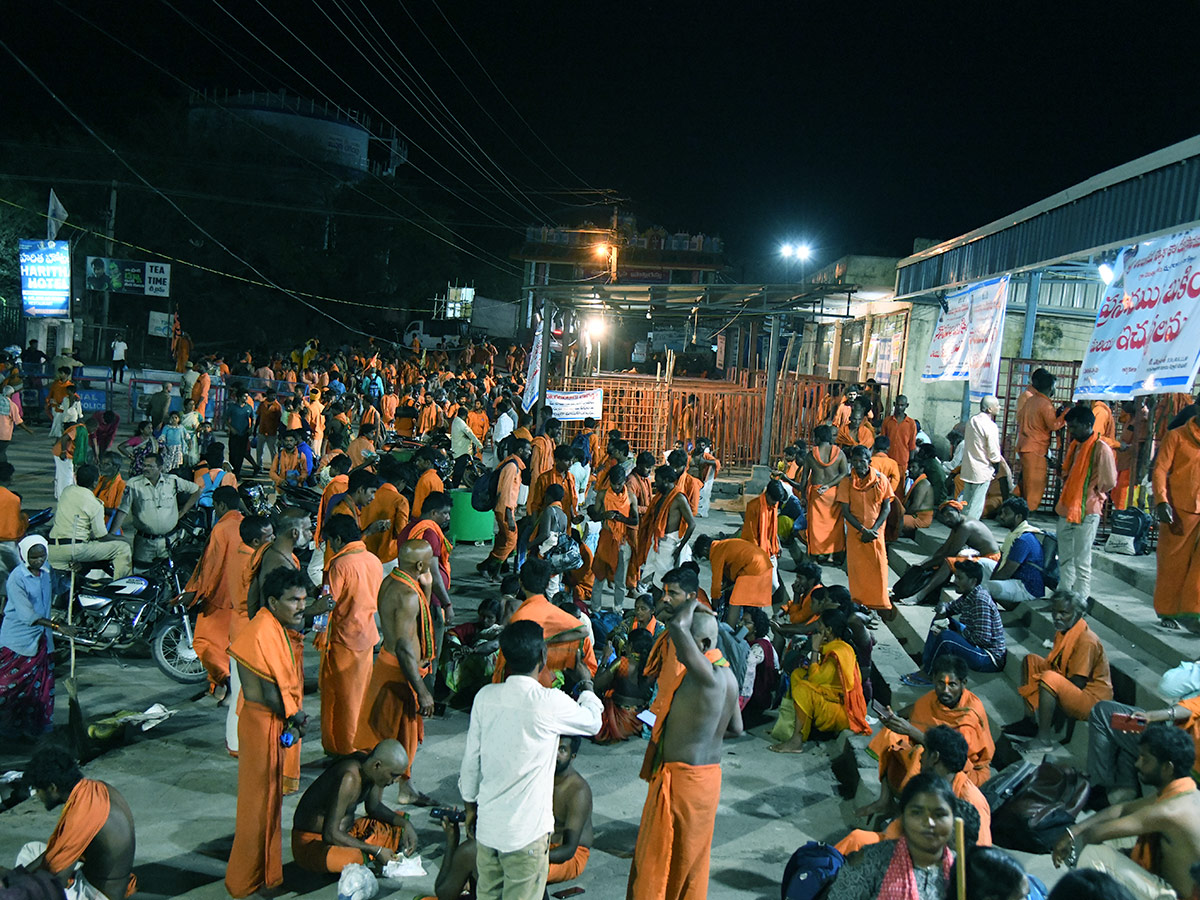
(1157, 194)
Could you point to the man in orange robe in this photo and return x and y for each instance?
(354, 575)
(1073, 678)
(901, 431)
(825, 468)
(1176, 481)
(273, 693)
(616, 507)
(214, 584)
(881, 461)
(389, 505)
(110, 488)
(396, 700)
(866, 498)
(558, 474)
(683, 761)
(362, 445)
(201, 388)
(760, 524)
(542, 458)
(1135, 433)
(855, 431)
(945, 754)
(565, 637)
(93, 840)
(1106, 425)
(508, 489)
(339, 483)
(739, 564)
(1037, 420)
(314, 415)
(429, 481)
(289, 465)
(899, 744)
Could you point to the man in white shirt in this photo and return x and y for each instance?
(503, 428)
(981, 456)
(463, 444)
(507, 775)
(119, 348)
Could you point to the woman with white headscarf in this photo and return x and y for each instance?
(10, 418)
(27, 646)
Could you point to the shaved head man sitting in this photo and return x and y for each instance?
(326, 834)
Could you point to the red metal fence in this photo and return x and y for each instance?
(650, 412)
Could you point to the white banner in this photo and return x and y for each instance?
(574, 406)
(966, 342)
(533, 374)
(1147, 334)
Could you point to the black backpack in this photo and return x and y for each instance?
(483, 491)
(810, 871)
(583, 443)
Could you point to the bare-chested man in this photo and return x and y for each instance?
(825, 467)
(664, 544)
(397, 699)
(293, 529)
(675, 836)
(965, 533)
(570, 843)
(94, 839)
(327, 836)
(1167, 825)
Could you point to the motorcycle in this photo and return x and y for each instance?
(115, 614)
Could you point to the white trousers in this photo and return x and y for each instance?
(231, 702)
(64, 476)
(974, 496)
(705, 497)
(617, 585)
(1075, 554)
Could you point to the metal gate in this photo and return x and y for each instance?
(1013, 381)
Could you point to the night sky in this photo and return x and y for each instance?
(857, 127)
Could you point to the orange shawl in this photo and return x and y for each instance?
(264, 648)
(851, 678)
(761, 524)
(1147, 852)
(619, 503)
(1074, 490)
(82, 817)
(661, 513)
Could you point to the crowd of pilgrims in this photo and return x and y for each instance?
(599, 543)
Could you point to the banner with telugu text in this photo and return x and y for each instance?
(1147, 334)
(968, 337)
(575, 406)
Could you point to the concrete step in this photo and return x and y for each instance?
(1136, 664)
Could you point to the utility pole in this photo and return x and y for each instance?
(764, 454)
(110, 228)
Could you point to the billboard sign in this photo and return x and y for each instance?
(1147, 334)
(46, 278)
(966, 341)
(128, 276)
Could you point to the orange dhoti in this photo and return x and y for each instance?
(1033, 479)
(344, 677)
(1076, 703)
(256, 859)
(866, 568)
(312, 852)
(826, 529)
(1177, 589)
(1120, 493)
(210, 640)
(506, 539)
(607, 556)
(389, 710)
(571, 869)
(670, 861)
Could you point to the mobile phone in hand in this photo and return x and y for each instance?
(569, 892)
(1131, 723)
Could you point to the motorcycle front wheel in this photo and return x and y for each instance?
(173, 653)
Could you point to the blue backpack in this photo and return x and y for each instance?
(583, 443)
(810, 871)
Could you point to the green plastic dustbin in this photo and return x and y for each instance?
(466, 523)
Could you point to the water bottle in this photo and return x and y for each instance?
(321, 621)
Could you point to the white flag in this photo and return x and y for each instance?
(56, 215)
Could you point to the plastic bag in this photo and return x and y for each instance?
(357, 883)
